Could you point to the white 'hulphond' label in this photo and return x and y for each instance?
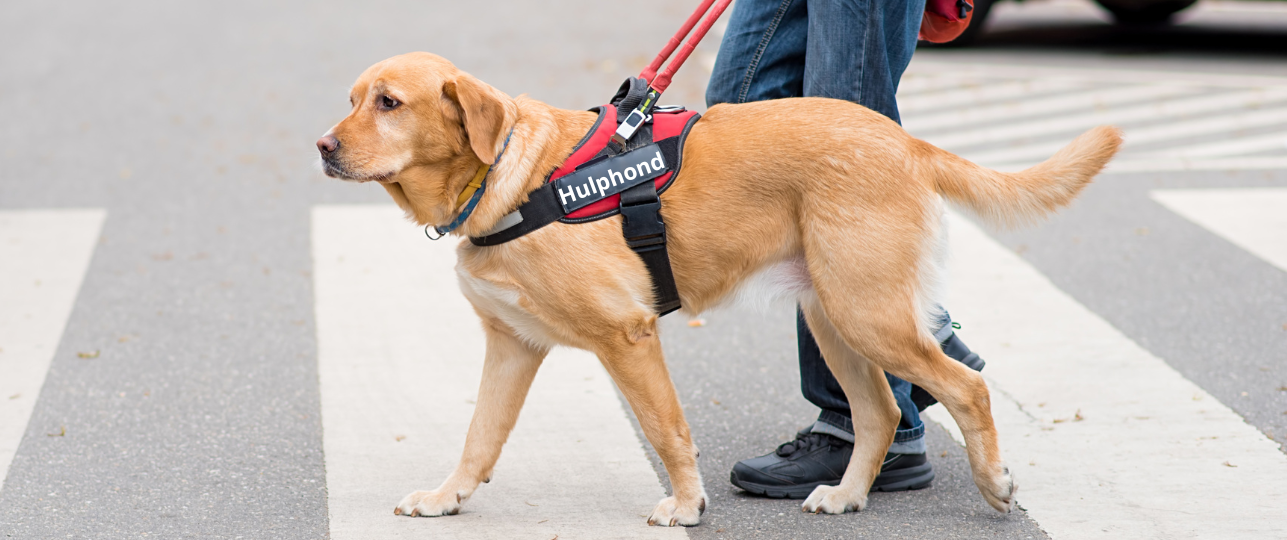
(609, 177)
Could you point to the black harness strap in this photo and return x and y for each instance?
(646, 234)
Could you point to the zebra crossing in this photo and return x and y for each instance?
(1106, 439)
(1010, 118)
(399, 358)
(1110, 439)
(1127, 449)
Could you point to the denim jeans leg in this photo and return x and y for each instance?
(762, 54)
(857, 51)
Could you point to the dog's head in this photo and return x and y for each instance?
(421, 128)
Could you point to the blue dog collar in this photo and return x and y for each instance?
(473, 201)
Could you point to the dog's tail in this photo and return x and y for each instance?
(1009, 199)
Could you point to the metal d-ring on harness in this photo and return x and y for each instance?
(613, 163)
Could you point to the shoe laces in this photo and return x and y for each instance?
(805, 443)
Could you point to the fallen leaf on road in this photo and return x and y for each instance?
(1227, 464)
(16, 396)
(1077, 417)
(399, 438)
(696, 322)
(62, 431)
(93, 354)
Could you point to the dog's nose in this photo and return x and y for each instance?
(328, 144)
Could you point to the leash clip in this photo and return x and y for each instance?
(435, 229)
(628, 127)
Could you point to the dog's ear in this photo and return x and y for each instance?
(481, 110)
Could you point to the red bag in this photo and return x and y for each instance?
(945, 19)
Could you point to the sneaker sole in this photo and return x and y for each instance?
(913, 478)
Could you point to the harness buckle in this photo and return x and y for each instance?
(643, 227)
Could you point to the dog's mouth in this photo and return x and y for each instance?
(337, 170)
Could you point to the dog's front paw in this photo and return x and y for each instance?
(834, 500)
(670, 512)
(998, 489)
(429, 504)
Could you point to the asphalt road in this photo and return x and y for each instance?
(183, 399)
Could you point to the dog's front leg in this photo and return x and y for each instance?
(508, 370)
(639, 369)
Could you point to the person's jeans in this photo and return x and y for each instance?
(854, 50)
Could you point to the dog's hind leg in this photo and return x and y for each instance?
(872, 267)
(881, 323)
(508, 370)
(875, 416)
(965, 395)
(635, 361)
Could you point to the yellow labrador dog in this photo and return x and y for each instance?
(837, 203)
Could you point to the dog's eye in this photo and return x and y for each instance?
(388, 102)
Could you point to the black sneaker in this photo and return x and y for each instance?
(817, 459)
(901, 472)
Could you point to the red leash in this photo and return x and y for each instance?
(658, 82)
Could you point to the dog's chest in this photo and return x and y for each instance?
(504, 302)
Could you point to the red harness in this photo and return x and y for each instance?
(622, 166)
(638, 201)
(665, 124)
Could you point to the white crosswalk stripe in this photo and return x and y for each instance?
(1107, 440)
(970, 116)
(43, 258)
(400, 355)
(943, 97)
(1246, 145)
(1248, 119)
(1254, 219)
(1165, 116)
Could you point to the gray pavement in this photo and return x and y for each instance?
(193, 125)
